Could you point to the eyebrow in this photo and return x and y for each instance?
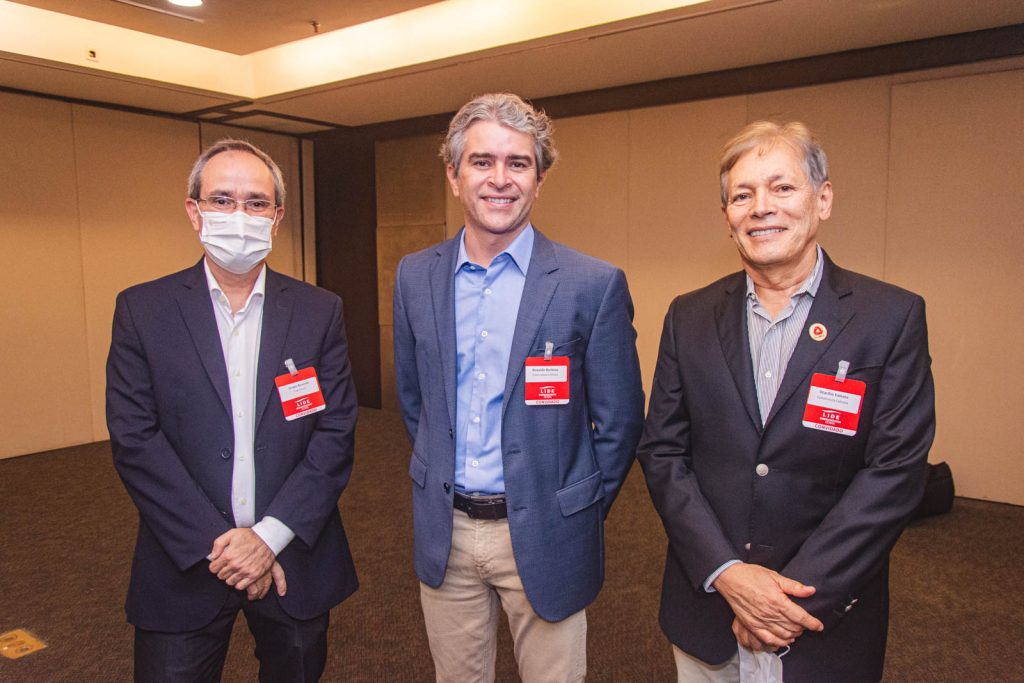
(491, 157)
(226, 193)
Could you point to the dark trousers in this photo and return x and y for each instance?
(289, 649)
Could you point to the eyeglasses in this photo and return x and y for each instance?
(230, 204)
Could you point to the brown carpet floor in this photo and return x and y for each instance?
(68, 528)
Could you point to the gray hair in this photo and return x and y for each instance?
(507, 110)
(232, 145)
(766, 134)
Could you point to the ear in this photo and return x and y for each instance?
(453, 179)
(540, 181)
(278, 217)
(192, 209)
(825, 201)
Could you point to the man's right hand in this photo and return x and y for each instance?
(759, 597)
(259, 588)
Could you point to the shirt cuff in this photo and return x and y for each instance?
(709, 584)
(274, 533)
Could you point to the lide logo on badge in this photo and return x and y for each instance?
(834, 405)
(547, 381)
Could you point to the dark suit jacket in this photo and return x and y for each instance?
(830, 507)
(563, 464)
(169, 416)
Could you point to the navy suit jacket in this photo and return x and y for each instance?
(563, 464)
(830, 507)
(169, 416)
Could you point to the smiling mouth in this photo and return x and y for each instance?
(499, 200)
(764, 231)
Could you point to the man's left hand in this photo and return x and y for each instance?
(240, 557)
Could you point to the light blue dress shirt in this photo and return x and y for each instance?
(486, 309)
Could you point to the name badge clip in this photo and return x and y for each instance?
(844, 366)
(290, 364)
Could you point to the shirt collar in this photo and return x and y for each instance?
(520, 251)
(809, 286)
(259, 288)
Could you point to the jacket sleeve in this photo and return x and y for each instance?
(169, 500)
(407, 382)
(615, 397)
(309, 496)
(858, 533)
(694, 532)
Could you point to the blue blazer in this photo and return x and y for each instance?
(830, 507)
(169, 416)
(563, 464)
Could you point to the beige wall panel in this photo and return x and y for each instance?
(584, 202)
(852, 121)
(284, 150)
(410, 181)
(42, 315)
(131, 172)
(393, 243)
(678, 239)
(953, 235)
(453, 214)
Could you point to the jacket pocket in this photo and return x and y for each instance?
(580, 495)
(418, 470)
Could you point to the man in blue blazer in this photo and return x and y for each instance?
(231, 414)
(519, 383)
(787, 437)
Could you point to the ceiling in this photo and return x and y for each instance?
(258, 62)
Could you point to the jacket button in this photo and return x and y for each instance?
(225, 453)
(762, 470)
(447, 488)
(451, 433)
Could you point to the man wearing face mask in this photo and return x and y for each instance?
(231, 413)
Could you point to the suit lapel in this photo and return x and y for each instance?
(730, 316)
(830, 309)
(538, 290)
(442, 294)
(277, 315)
(197, 311)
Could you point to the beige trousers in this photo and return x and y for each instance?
(462, 614)
(689, 669)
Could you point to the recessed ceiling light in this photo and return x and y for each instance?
(186, 3)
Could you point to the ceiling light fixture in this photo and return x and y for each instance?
(186, 3)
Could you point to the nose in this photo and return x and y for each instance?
(762, 204)
(499, 178)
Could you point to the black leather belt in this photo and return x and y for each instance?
(481, 507)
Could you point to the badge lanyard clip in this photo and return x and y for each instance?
(841, 372)
(290, 364)
(549, 348)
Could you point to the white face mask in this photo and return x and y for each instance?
(236, 242)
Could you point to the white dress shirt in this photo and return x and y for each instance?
(240, 341)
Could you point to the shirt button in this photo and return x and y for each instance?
(475, 463)
(242, 501)
(762, 470)
(476, 419)
(239, 413)
(488, 291)
(238, 373)
(768, 373)
(235, 333)
(483, 334)
(482, 375)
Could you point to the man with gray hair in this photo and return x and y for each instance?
(787, 437)
(519, 383)
(231, 413)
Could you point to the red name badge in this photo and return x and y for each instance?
(547, 381)
(300, 393)
(834, 406)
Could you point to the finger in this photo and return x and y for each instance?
(219, 544)
(277, 573)
(801, 617)
(795, 588)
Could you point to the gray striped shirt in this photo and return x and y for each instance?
(772, 341)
